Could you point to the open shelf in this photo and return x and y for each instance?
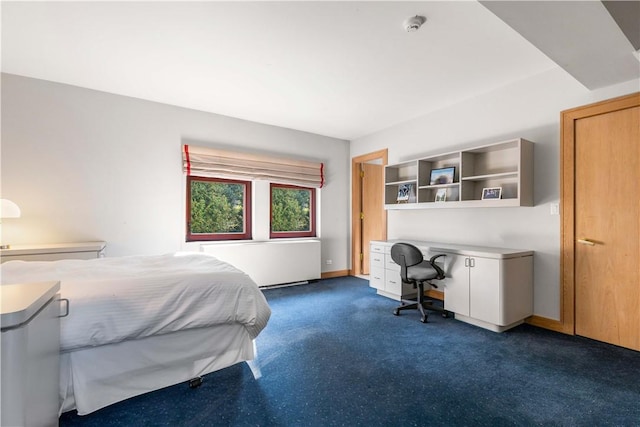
(506, 165)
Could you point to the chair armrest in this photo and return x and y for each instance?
(436, 267)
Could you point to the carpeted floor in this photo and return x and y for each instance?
(333, 354)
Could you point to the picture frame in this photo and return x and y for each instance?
(491, 193)
(441, 195)
(406, 193)
(442, 176)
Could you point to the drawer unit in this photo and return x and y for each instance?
(376, 266)
(385, 274)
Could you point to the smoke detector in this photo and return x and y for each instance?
(414, 23)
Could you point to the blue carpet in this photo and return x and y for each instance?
(333, 354)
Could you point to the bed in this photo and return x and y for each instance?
(141, 323)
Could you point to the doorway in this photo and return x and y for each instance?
(368, 217)
(601, 221)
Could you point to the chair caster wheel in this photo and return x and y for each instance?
(445, 314)
(424, 320)
(396, 312)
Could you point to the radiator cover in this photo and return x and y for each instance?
(272, 262)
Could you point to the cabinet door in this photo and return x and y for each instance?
(456, 285)
(484, 290)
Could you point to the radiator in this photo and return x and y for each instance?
(273, 262)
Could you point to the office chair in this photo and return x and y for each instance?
(415, 270)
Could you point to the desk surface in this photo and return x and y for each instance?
(468, 250)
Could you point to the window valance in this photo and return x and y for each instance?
(209, 162)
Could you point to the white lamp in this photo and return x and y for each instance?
(8, 209)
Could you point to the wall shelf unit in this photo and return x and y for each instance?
(507, 165)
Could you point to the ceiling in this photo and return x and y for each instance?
(341, 69)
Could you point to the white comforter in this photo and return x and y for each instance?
(121, 298)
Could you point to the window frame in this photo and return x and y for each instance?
(312, 212)
(199, 237)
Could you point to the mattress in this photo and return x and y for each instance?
(129, 298)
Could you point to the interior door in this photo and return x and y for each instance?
(607, 227)
(373, 220)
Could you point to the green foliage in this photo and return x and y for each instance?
(290, 209)
(217, 207)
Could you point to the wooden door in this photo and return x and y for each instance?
(373, 218)
(601, 221)
(360, 234)
(607, 205)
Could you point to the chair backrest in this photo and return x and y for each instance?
(405, 254)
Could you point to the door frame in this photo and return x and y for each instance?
(356, 205)
(567, 199)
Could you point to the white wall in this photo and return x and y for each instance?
(87, 165)
(529, 109)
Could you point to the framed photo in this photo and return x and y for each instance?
(441, 195)
(406, 193)
(491, 193)
(442, 176)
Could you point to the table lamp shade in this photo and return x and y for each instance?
(9, 209)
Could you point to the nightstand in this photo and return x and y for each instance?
(30, 354)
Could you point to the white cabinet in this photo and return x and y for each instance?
(53, 251)
(494, 293)
(507, 165)
(30, 354)
(488, 287)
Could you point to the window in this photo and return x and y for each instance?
(293, 212)
(218, 209)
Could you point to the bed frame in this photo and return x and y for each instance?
(94, 377)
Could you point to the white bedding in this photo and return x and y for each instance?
(123, 298)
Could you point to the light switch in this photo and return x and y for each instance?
(554, 209)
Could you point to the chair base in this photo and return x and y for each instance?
(420, 304)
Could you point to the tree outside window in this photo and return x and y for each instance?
(292, 211)
(218, 209)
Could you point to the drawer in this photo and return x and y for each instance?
(374, 248)
(376, 278)
(393, 284)
(389, 264)
(376, 260)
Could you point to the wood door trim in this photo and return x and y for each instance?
(356, 206)
(567, 198)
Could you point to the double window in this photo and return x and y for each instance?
(220, 209)
(219, 199)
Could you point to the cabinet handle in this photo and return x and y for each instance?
(472, 262)
(391, 281)
(466, 262)
(66, 306)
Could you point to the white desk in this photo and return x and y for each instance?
(30, 354)
(487, 287)
(53, 251)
